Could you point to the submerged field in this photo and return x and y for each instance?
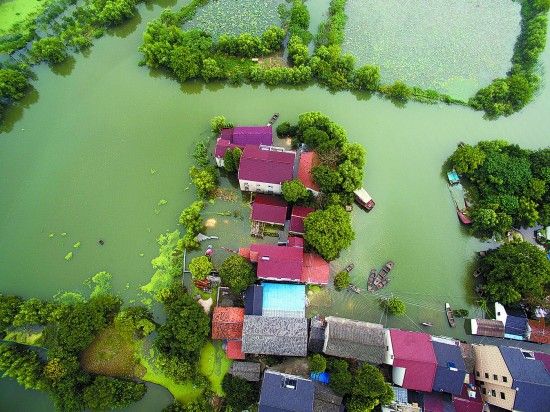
(15, 11)
(236, 17)
(453, 47)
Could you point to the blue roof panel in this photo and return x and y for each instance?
(515, 325)
(276, 395)
(253, 300)
(451, 370)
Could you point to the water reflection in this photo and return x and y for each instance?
(127, 28)
(15, 113)
(64, 69)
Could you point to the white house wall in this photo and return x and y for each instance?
(260, 187)
(389, 348)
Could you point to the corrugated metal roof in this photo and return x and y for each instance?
(269, 209)
(260, 164)
(281, 392)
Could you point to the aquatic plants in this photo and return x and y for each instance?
(342, 280)
(394, 306)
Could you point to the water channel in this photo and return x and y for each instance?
(78, 161)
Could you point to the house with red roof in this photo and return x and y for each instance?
(227, 323)
(413, 359)
(297, 217)
(234, 349)
(264, 169)
(308, 160)
(316, 270)
(240, 136)
(269, 209)
(469, 399)
(539, 332)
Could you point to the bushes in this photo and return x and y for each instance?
(205, 180)
(192, 221)
(13, 84)
(317, 363)
(200, 267)
(294, 191)
(331, 32)
(248, 45)
(232, 159)
(49, 49)
(394, 306)
(367, 78)
(239, 393)
(237, 273)
(342, 280)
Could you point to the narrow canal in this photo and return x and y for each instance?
(103, 140)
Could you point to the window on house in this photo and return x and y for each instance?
(527, 355)
(495, 377)
(486, 375)
(477, 374)
(504, 379)
(484, 391)
(289, 383)
(493, 392)
(502, 396)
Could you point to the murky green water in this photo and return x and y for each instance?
(78, 161)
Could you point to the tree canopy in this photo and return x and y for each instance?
(49, 49)
(394, 306)
(239, 393)
(237, 273)
(232, 159)
(515, 272)
(200, 267)
(294, 191)
(368, 390)
(329, 231)
(342, 280)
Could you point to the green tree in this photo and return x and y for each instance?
(527, 212)
(342, 280)
(272, 38)
(9, 308)
(110, 393)
(191, 219)
(200, 267)
(23, 365)
(237, 273)
(239, 393)
(514, 272)
(285, 129)
(367, 78)
(113, 12)
(466, 158)
(394, 306)
(294, 191)
(340, 376)
(355, 153)
(218, 123)
(327, 179)
(317, 363)
(205, 180)
(351, 176)
(33, 311)
(369, 390)
(329, 231)
(232, 159)
(13, 84)
(200, 154)
(49, 49)
(397, 91)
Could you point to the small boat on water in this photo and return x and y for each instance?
(364, 199)
(450, 316)
(453, 177)
(380, 280)
(428, 324)
(353, 288)
(273, 119)
(349, 267)
(463, 218)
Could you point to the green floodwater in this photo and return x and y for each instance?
(78, 160)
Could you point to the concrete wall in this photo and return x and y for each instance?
(491, 364)
(388, 360)
(259, 187)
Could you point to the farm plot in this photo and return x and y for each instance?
(15, 11)
(236, 16)
(455, 47)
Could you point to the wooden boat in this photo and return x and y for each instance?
(450, 316)
(349, 267)
(372, 275)
(428, 324)
(462, 217)
(477, 272)
(364, 199)
(354, 289)
(273, 119)
(388, 266)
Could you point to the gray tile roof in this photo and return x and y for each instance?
(325, 399)
(246, 370)
(275, 336)
(354, 339)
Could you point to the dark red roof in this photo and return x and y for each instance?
(241, 136)
(227, 323)
(414, 352)
(316, 269)
(234, 349)
(465, 403)
(308, 161)
(270, 209)
(540, 333)
(278, 262)
(260, 164)
(299, 213)
(295, 241)
(544, 358)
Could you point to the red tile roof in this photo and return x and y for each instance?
(269, 209)
(277, 262)
(234, 349)
(240, 136)
(259, 164)
(299, 213)
(295, 241)
(414, 352)
(227, 323)
(308, 161)
(316, 269)
(540, 333)
(463, 402)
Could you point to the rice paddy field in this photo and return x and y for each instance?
(236, 16)
(15, 11)
(455, 47)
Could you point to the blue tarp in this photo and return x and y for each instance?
(322, 377)
(453, 177)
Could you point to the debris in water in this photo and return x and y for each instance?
(69, 256)
(51, 235)
(153, 171)
(64, 234)
(162, 202)
(76, 245)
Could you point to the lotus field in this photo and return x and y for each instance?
(236, 16)
(455, 47)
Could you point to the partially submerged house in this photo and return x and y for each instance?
(308, 160)
(530, 380)
(494, 377)
(413, 359)
(269, 209)
(264, 169)
(354, 339)
(450, 373)
(487, 327)
(249, 371)
(286, 393)
(240, 136)
(297, 217)
(275, 336)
